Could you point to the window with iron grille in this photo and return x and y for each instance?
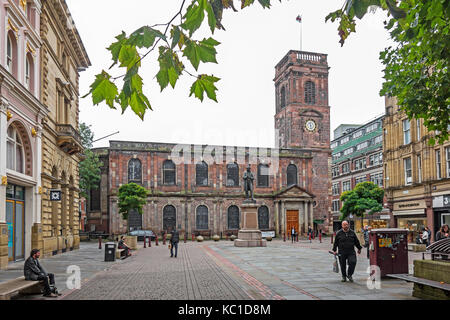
(169, 172)
(310, 92)
(169, 217)
(263, 218)
(233, 218)
(263, 175)
(202, 218)
(232, 175)
(291, 175)
(134, 171)
(201, 172)
(283, 97)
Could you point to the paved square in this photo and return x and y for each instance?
(216, 271)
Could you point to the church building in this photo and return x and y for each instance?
(199, 189)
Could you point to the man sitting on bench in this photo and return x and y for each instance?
(35, 272)
(123, 245)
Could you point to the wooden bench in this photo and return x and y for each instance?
(19, 286)
(422, 282)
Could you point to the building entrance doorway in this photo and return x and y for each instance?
(15, 220)
(291, 221)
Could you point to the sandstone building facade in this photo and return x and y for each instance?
(417, 174)
(199, 189)
(63, 56)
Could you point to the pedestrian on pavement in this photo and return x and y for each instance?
(33, 271)
(346, 241)
(310, 232)
(123, 245)
(429, 236)
(293, 234)
(424, 236)
(174, 239)
(366, 239)
(443, 233)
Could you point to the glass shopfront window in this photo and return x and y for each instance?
(414, 226)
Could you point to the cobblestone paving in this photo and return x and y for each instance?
(303, 271)
(216, 271)
(152, 274)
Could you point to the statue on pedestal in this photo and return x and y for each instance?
(248, 185)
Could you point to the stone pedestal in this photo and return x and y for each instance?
(250, 235)
(3, 246)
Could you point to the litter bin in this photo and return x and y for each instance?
(110, 251)
(388, 249)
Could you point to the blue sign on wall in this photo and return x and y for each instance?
(10, 234)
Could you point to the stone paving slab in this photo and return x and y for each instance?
(216, 271)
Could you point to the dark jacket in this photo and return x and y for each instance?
(346, 242)
(175, 237)
(366, 238)
(33, 269)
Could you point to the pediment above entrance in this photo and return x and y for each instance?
(294, 192)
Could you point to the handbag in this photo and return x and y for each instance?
(335, 265)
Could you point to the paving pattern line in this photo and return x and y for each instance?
(275, 277)
(253, 282)
(220, 272)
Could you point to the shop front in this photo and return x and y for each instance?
(411, 215)
(15, 222)
(441, 211)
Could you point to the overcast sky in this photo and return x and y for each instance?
(255, 40)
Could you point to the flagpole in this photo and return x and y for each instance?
(300, 20)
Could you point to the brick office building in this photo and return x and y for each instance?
(357, 157)
(203, 193)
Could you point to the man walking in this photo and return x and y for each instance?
(33, 271)
(346, 240)
(174, 239)
(293, 234)
(366, 239)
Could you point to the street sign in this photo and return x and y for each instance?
(55, 195)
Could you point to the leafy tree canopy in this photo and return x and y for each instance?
(90, 166)
(416, 68)
(365, 197)
(131, 197)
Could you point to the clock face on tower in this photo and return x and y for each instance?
(310, 125)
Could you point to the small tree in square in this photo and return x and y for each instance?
(131, 197)
(365, 197)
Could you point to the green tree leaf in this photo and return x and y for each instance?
(205, 83)
(103, 90)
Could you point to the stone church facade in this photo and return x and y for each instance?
(199, 189)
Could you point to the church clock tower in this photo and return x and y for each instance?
(302, 122)
(302, 111)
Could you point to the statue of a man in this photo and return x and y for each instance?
(248, 184)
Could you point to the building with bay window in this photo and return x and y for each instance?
(357, 156)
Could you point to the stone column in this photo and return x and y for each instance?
(283, 219)
(306, 214)
(301, 219)
(3, 181)
(277, 223)
(311, 215)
